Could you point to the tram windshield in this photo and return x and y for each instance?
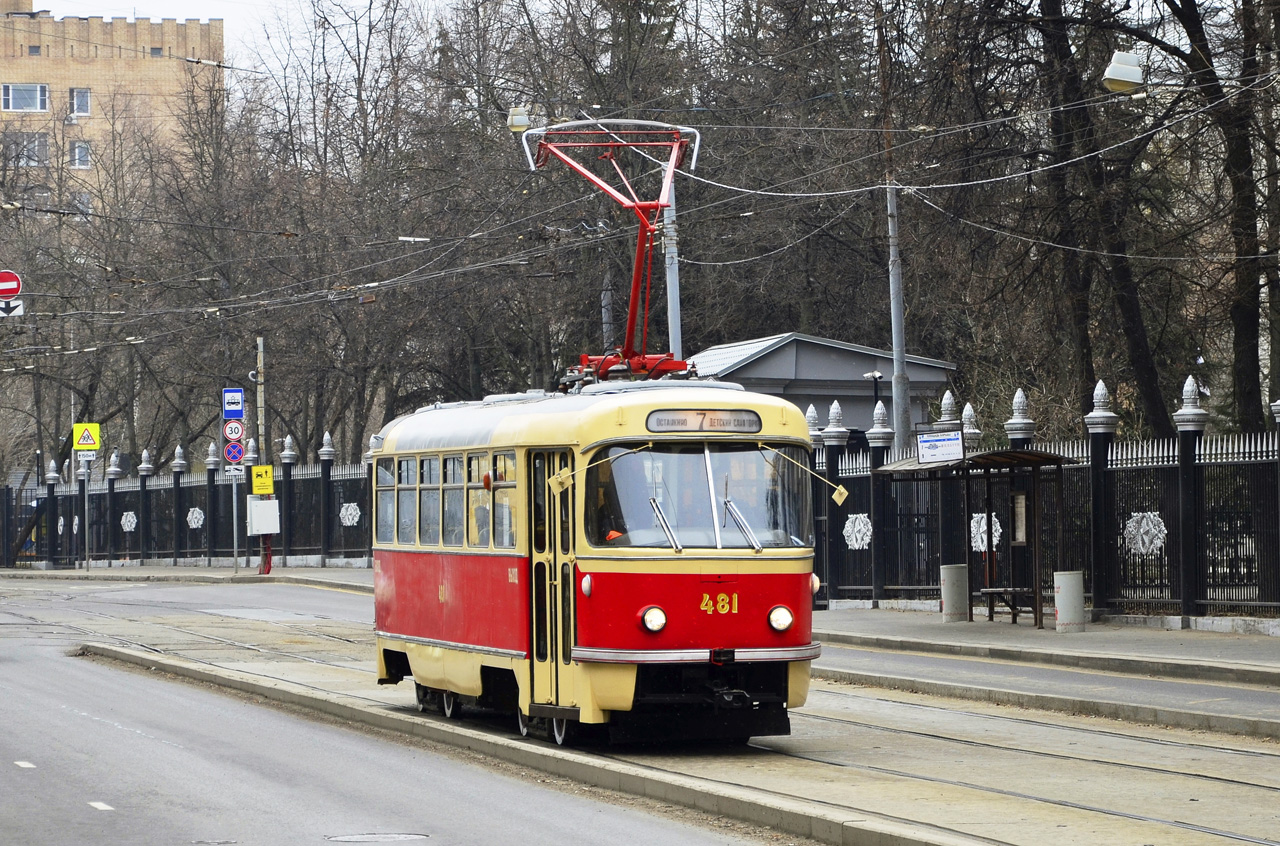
(723, 496)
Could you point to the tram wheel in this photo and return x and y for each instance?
(563, 732)
(424, 695)
(450, 705)
(522, 723)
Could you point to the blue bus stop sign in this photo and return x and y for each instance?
(233, 403)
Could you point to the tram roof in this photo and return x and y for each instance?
(538, 417)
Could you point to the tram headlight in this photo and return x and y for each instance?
(653, 618)
(814, 583)
(586, 585)
(780, 618)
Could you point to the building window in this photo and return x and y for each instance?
(79, 101)
(79, 157)
(82, 203)
(157, 52)
(27, 149)
(33, 50)
(25, 97)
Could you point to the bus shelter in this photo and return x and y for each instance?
(972, 482)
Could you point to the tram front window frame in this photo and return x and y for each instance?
(712, 495)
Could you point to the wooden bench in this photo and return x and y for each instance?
(1015, 599)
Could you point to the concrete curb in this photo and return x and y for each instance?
(1128, 664)
(194, 577)
(827, 824)
(1125, 711)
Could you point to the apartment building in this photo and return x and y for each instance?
(74, 89)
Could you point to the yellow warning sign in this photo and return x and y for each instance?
(264, 480)
(86, 436)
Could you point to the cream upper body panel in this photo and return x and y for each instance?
(599, 414)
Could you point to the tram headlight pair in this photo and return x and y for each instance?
(780, 618)
(653, 618)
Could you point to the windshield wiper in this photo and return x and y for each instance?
(666, 527)
(743, 525)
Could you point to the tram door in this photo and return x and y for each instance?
(551, 512)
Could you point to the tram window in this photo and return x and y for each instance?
(504, 500)
(429, 502)
(728, 495)
(566, 615)
(407, 471)
(385, 520)
(478, 482)
(429, 516)
(538, 494)
(540, 611)
(452, 526)
(406, 514)
(566, 511)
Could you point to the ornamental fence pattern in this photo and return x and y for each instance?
(187, 518)
(1185, 526)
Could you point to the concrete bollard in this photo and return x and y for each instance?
(955, 593)
(1068, 600)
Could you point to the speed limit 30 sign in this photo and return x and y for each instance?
(233, 430)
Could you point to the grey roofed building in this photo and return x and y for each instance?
(815, 371)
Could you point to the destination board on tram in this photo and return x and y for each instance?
(703, 420)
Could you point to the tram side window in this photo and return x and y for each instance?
(504, 500)
(385, 523)
(452, 526)
(478, 516)
(429, 502)
(406, 500)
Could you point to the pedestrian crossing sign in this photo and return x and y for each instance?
(86, 436)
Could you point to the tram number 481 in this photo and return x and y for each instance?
(723, 604)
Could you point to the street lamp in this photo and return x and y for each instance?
(518, 119)
(875, 376)
(1124, 74)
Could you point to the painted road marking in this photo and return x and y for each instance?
(101, 806)
(26, 765)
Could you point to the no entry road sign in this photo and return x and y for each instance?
(10, 285)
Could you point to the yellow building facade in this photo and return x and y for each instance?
(76, 93)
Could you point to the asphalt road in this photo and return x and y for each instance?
(94, 754)
(932, 770)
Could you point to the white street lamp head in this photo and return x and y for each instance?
(1124, 74)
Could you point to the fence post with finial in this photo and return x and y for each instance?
(288, 458)
(879, 439)
(51, 479)
(178, 468)
(211, 464)
(1191, 420)
(113, 521)
(1102, 424)
(835, 439)
(327, 455)
(145, 471)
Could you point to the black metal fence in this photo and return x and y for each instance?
(1189, 526)
(188, 518)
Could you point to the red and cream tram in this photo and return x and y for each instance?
(637, 555)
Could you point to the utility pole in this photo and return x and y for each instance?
(260, 377)
(901, 384)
